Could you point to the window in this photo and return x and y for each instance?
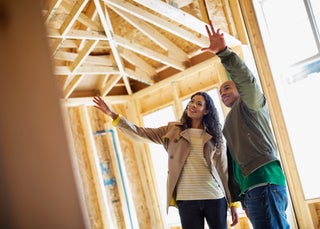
(293, 37)
(315, 10)
(292, 44)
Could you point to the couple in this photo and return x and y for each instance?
(204, 179)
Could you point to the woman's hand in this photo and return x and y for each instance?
(217, 41)
(101, 105)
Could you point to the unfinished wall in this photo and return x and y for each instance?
(102, 177)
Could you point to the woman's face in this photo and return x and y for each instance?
(197, 107)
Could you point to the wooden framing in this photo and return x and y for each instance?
(314, 208)
(34, 143)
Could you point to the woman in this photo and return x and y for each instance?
(197, 164)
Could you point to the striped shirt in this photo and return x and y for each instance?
(196, 181)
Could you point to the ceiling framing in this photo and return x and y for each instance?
(119, 47)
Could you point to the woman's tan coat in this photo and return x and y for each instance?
(177, 143)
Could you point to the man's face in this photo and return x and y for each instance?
(229, 93)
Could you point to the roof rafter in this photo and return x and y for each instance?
(132, 58)
(183, 18)
(149, 53)
(72, 16)
(164, 24)
(107, 26)
(153, 34)
(111, 81)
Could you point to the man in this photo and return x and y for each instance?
(251, 146)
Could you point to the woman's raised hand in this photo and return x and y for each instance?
(101, 105)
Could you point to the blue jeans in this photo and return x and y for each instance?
(194, 212)
(266, 206)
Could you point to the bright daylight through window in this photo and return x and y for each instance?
(293, 46)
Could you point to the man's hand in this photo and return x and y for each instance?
(217, 41)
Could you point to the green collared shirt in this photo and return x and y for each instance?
(270, 173)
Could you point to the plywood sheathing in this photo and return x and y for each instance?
(137, 165)
(135, 181)
(85, 170)
(107, 164)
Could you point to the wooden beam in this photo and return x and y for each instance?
(77, 34)
(314, 215)
(76, 79)
(134, 59)
(172, 49)
(184, 83)
(84, 19)
(52, 7)
(229, 17)
(178, 77)
(238, 21)
(112, 80)
(87, 101)
(204, 11)
(93, 60)
(171, 61)
(177, 106)
(72, 16)
(201, 41)
(183, 18)
(107, 26)
(82, 54)
(89, 69)
(139, 76)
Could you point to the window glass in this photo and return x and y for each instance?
(289, 38)
(315, 4)
(287, 28)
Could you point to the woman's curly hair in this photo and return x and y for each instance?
(210, 120)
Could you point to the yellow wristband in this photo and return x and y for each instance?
(235, 204)
(116, 120)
